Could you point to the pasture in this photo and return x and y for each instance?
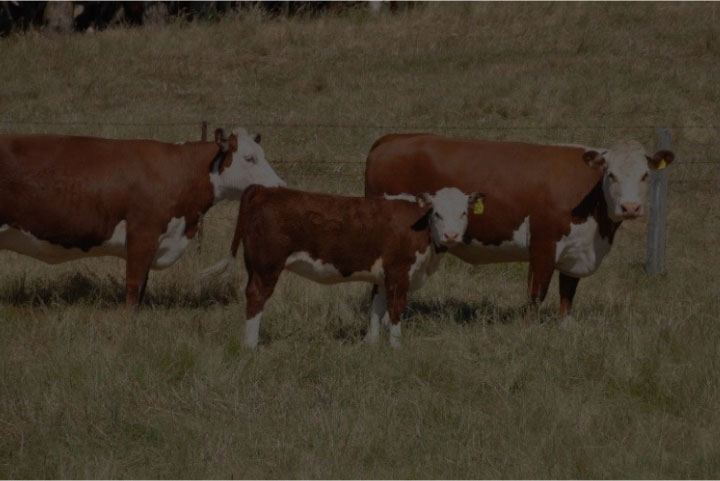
(630, 388)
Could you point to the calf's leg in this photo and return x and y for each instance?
(260, 287)
(396, 287)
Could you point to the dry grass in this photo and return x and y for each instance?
(628, 390)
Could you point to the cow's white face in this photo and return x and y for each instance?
(248, 166)
(449, 210)
(626, 176)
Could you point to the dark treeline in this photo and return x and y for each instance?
(83, 16)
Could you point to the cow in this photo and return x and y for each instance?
(391, 243)
(64, 197)
(556, 207)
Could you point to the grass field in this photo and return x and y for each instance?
(631, 388)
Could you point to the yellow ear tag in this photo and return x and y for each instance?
(479, 207)
(662, 164)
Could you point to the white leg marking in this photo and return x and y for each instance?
(395, 335)
(379, 311)
(252, 331)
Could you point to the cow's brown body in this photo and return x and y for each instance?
(70, 194)
(538, 192)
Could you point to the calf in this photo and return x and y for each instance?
(393, 244)
(63, 198)
(556, 207)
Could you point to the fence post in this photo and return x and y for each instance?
(203, 137)
(658, 210)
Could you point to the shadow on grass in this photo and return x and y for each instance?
(459, 312)
(462, 312)
(90, 289)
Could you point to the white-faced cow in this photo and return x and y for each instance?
(393, 244)
(556, 207)
(63, 198)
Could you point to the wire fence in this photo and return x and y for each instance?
(697, 162)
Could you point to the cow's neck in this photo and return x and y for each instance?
(194, 159)
(594, 204)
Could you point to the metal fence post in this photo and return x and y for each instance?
(658, 211)
(203, 137)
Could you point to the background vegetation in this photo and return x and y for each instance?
(630, 389)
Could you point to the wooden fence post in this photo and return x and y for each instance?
(658, 211)
(203, 135)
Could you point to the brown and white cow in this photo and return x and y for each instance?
(393, 244)
(63, 198)
(556, 207)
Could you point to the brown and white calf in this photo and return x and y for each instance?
(63, 198)
(556, 207)
(393, 244)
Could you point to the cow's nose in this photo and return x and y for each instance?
(631, 209)
(451, 237)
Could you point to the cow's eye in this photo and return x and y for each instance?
(251, 158)
(612, 177)
(464, 214)
(437, 216)
(644, 177)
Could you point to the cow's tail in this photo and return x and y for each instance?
(226, 270)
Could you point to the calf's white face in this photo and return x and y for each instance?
(448, 217)
(248, 166)
(626, 176)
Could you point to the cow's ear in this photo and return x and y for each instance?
(423, 200)
(220, 140)
(422, 223)
(660, 160)
(595, 160)
(219, 136)
(232, 143)
(257, 138)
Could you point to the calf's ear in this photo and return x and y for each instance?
(476, 202)
(661, 159)
(594, 159)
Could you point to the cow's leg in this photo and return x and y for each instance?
(379, 311)
(568, 285)
(260, 287)
(542, 266)
(141, 250)
(396, 287)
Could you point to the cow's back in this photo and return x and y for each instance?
(525, 184)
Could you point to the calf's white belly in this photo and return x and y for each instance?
(302, 264)
(171, 245)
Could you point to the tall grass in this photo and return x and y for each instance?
(629, 389)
